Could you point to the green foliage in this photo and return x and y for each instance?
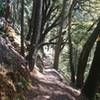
(2, 33)
(2, 8)
(19, 98)
(23, 83)
(97, 97)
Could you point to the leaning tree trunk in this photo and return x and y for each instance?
(84, 56)
(93, 80)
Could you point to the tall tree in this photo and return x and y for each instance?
(84, 55)
(22, 27)
(60, 38)
(93, 79)
(36, 24)
(50, 19)
(70, 41)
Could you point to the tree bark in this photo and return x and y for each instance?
(93, 79)
(30, 29)
(60, 38)
(22, 27)
(70, 41)
(37, 17)
(84, 56)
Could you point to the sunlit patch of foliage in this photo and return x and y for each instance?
(97, 97)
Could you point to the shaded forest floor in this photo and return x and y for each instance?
(51, 89)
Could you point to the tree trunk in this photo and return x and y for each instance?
(71, 59)
(60, 38)
(7, 10)
(30, 29)
(70, 41)
(37, 17)
(84, 56)
(93, 80)
(22, 27)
